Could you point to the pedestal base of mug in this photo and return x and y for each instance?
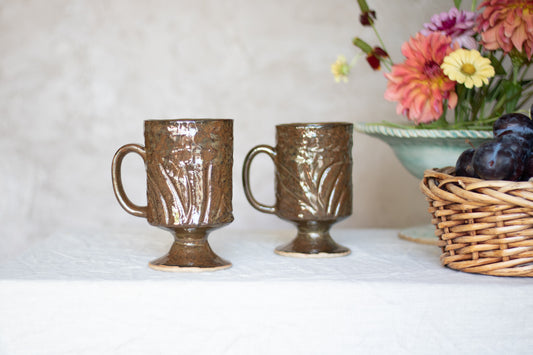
(190, 252)
(313, 241)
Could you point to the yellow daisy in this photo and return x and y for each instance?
(340, 69)
(468, 67)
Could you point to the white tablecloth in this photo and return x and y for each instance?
(93, 293)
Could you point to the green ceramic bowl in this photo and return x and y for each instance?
(422, 149)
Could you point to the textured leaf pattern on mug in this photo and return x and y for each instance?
(182, 181)
(314, 172)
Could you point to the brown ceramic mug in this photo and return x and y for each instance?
(189, 186)
(313, 168)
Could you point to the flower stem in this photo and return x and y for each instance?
(474, 5)
(387, 61)
(524, 100)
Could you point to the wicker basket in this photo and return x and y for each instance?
(484, 227)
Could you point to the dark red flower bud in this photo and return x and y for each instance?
(380, 52)
(375, 56)
(367, 18)
(374, 62)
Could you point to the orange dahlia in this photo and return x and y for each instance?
(507, 24)
(418, 84)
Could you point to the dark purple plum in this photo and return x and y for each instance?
(521, 147)
(528, 168)
(464, 166)
(515, 142)
(496, 160)
(514, 123)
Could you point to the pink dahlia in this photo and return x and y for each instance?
(459, 25)
(507, 24)
(418, 84)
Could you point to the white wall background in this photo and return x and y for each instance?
(77, 79)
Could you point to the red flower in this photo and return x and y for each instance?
(419, 85)
(507, 24)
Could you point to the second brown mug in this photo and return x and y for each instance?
(313, 169)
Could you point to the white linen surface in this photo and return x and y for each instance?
(93, 293)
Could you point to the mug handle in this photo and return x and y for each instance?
(116, 176)
(246, 176)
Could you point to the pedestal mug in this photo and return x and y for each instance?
(189, 187)
(313, 183)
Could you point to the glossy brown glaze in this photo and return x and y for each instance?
(313, 164)
(189, 186)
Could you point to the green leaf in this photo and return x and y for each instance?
(457, 3)
(495, 91)
(365, 47)
(363, 5)
(497, 65)
(512, 95)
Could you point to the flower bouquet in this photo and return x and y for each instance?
(463, 70)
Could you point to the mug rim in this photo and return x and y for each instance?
(315, 124)
(186, 120)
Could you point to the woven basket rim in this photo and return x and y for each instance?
(447, 174)
(474, 190)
